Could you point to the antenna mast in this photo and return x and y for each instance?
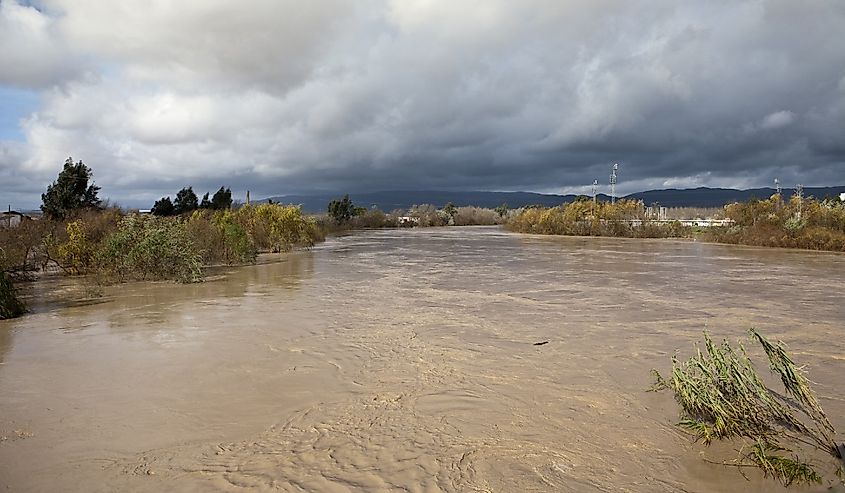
(613, 183)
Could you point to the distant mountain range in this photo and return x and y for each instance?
(691, 197)
(718, 197)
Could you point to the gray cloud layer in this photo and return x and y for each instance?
(289, 96)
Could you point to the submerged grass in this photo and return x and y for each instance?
(722, 396)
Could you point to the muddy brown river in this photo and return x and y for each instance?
(405, 361)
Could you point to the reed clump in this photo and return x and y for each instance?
(584, 217)
(779, 222)
(723, 397)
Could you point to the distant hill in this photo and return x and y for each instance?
(718, 197)
(391, 200)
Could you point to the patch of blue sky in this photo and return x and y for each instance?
(15, 104)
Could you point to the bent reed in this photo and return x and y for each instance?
(723, 397)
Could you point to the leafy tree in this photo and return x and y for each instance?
(222, 199)
(70, 191)
(163, 207)
(450, 209)
(205, 204)
(186, 201)
(502, 210)
(341, 210)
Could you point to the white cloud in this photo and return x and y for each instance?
(777, 119)
(31, 53)
(272, 44)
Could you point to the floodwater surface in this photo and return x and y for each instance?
(405, 360)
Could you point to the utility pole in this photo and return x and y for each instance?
(595, 197)
(613, 183)
(777, 186)
(799, 192)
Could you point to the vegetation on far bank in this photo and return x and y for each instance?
(806, 223)
(800, 222)
(118, 246)
(585, 217)
(342, 214)
(186, 201)
(77, 235)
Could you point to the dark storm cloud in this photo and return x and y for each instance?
(536, 95)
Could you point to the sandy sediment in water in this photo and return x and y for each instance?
(404, 361)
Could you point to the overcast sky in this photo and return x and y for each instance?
(291, 96)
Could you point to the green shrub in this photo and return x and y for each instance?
(10, 305)
(794, 225)
(148, 247)
(224, 240)
(238, 247)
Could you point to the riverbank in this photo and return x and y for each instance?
(803, 223)
(111, 247)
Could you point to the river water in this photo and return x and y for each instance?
(405, 360)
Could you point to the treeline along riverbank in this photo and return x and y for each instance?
(799, 222)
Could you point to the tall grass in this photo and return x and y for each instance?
(722, 397)
(277, 228)
(625, 218)
(807, 223)
(476, 216)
